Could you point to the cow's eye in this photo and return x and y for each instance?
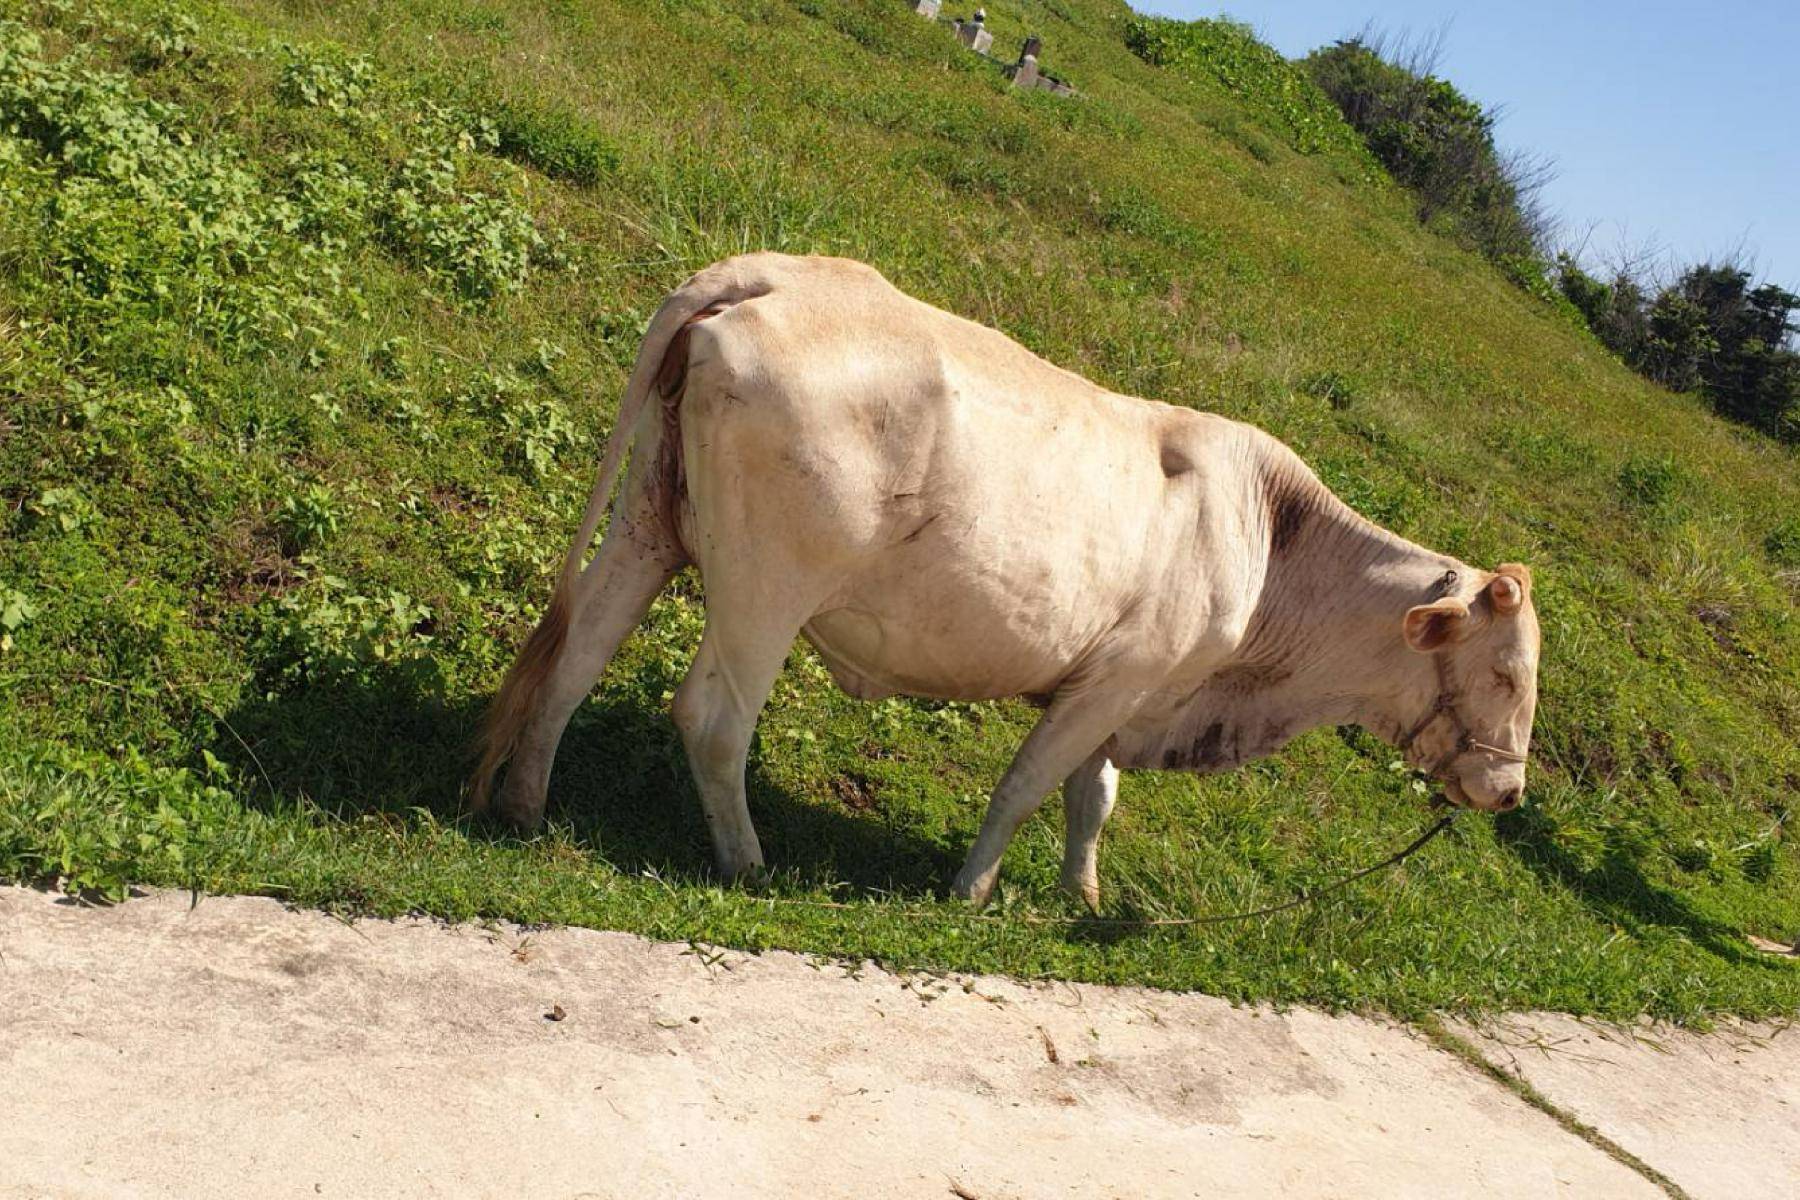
(1506, 682)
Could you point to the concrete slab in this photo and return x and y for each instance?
(1719, 1114)
(243, 1049)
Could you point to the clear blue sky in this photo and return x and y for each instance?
(1673, 121)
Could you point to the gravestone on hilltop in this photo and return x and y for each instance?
(1027, 74)
(974, 33)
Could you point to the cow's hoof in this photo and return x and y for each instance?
(974, 890)
(518, 806)
(522, 819)
(749, 874)
(1087, 891)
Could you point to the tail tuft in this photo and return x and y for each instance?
(512, 707)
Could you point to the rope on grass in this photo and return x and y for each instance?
(1302, 898)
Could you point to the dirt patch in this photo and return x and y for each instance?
(856, 792)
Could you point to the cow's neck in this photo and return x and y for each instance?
(1323, 646)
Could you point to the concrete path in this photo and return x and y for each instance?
(1718, 1114)
(241, 1049)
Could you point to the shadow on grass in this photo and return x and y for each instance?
(1122, 922)
(1616, 889)
(621, 784)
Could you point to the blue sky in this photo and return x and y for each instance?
(1676, 122)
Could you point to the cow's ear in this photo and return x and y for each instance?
(1429, 626)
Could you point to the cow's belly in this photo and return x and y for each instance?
(963, 613)
(954, 646)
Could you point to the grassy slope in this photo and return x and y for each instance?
(281, 502)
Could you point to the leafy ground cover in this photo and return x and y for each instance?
(312, 316)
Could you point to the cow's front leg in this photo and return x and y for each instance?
(1088, 798)
(1070, 730)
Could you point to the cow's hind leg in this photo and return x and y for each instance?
(570, 648)
(716, 707)
(1070, 730)
(1088, 798)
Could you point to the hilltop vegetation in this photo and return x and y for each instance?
(1438, 143)
(312, 318)
(1708, 331)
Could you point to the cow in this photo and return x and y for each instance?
(943, 514)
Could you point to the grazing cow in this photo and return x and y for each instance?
(942, 513)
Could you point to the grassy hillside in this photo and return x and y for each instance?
(312, 317)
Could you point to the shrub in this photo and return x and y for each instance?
(95, 824)
(1229, 53)
(170, 37)
(141, 223)
(1617, 312)
(1531, 275)
(1710, 331)
(554, 141)
(1440, 144)
(325, 79)
(326, 633)
(482, 245)
(309, 518)
(1713, 331)
(1651, 485)
(1783, 543)
(330, 199)
(535, 428)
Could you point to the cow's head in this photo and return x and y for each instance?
(1487, 660)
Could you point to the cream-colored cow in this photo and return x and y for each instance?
(941, 513)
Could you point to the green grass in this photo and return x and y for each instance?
(312, 317)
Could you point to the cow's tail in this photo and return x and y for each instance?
(660, 367)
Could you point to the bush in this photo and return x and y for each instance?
(483, 245)
(1708, 332)
(557, 143)
(325, 79)
(1783, 543)
(309, 518)
(1617, 312)
(1714, 332)
(1438, 143)
(1651, 485)
(135, 217)
(534, 428)
(1229, 53)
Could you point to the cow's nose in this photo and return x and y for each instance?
(1510, 800)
